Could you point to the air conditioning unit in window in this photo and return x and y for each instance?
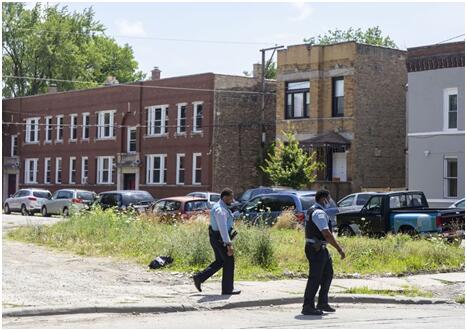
(84, 180)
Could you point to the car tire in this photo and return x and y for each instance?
(346, 231)
(24, 211)
(408, 230)
(6, 209)
(66, 212)
(44, 211)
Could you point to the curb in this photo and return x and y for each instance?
(47, 311)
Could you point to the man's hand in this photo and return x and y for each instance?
(341, 253)
(230, 250)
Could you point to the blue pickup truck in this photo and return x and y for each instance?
(401, 212)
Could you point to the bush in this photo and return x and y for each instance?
(262, 253)
(286, 220)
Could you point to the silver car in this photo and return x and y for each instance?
(210, 196)
(27, 201)
(67, 200)
(354, 202)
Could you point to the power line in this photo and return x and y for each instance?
(450, 39)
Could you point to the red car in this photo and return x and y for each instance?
(185, 206)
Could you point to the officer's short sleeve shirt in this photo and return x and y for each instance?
(320, 218)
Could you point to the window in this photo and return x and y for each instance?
(111, 200)
(14, 145)
(347, 202)
(131, 143)
(156, 172)
(297, 97)
(278, 203)
(105, 124)
(196, 205)
(58, 170)
(65, 195)
(42, 194)
(72, 169)
(362, 199)
(180, 169)
(32, 130)
(47, 170)
(450, 109)
(84, 169)
(450, 177)
(172, 205)
(197, 116)
(196, 168)
(30, 171)
(86, 122)
(48, 129)
(73, 127)
(157, 120)
(60, 128)
(374, 205)
(338, 97)
(104, 169)
(181, 118)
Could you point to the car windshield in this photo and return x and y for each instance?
(139, 197)
(85, 196)
(215, 197)
(42, 194)
(307, 202)
(461, 204)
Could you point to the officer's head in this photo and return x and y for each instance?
(227, 196)
(323, 197)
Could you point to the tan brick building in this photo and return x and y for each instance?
(347, 102)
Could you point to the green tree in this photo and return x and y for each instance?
(372, 36)
(289, 165)
(270, 72)
(50, 42)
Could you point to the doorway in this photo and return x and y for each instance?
(129, 181)
(11, 184)
(339, 166)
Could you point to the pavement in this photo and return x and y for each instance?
(38, 281)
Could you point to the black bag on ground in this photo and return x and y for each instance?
(160, 262)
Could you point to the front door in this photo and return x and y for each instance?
(129, 181)
(11, 184)
(339, 166)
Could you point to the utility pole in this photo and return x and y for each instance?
(263, 92)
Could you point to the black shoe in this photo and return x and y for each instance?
(233, 292)
(307, 310)
(326, 308)
(197, 283)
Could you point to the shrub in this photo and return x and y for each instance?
(262, 253)
(286, 220)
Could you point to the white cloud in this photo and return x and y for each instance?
(133, 29)
(304, 11)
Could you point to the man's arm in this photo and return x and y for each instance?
(221, 220)
(330, 239)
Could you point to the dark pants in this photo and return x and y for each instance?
(319, 275)
(222, 261)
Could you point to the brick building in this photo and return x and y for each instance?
(346, 101)
(167, 136)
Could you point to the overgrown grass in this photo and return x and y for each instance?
(406, 291)
(461, 299)
(260, 252)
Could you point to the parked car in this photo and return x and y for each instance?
(124, 199)
(268, 207)
(27, 201)
(210, 196)
(401, 212)
(354, 202)
(458, 204)
(66, 200)
(182, 206)
(253, 192)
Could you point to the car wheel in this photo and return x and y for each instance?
(408, 230)
(6, 209)
(44, 212)
(346, 231)
(24, 210)
(66, 213)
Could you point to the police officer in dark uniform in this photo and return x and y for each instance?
(317, 235)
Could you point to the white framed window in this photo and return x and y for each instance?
(104, 169)
(73, 127)
(32, 130)
(156, 171)
(30, 171)
(157, 120)
(48, 129)
(450, 109)
(450, 176)
(14, 145)
(198, 116)
(196, 176)
(58, 170)
(181, 118)
(72, 171)
(59, 128)
(84, 169)
(180, 180)
(86, 122)
(105, 124)
(47, 170)
(131, 139)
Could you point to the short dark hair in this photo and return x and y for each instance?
(227, 192)
(321, 194)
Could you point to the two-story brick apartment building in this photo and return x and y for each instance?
(436, 121)
(167, 136)
(346, 101)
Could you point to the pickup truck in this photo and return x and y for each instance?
(401, 212)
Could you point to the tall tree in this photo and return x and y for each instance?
(371, 36)
(50, 42)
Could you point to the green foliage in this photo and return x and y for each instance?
(372, 36)
(270, 72)
(50, 42)
(289, 165)
(405, 291)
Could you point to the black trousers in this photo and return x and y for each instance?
(319, 275)
(222, 260)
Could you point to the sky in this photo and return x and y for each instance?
(256, 26)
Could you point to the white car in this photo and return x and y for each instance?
(210, 196)
(354, 202)
(458, 204)
(27, 201)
